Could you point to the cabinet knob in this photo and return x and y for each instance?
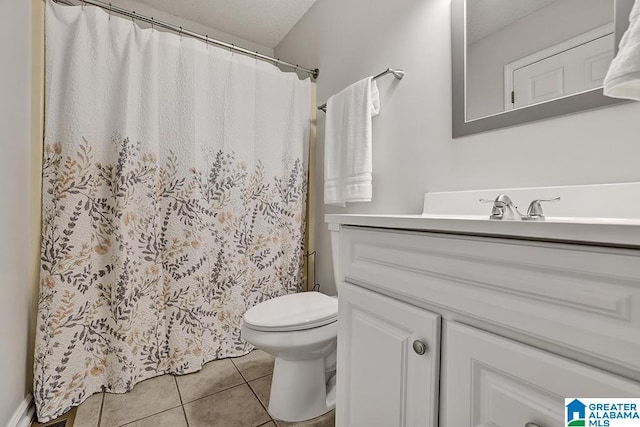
(421, 348)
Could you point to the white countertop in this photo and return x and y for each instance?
(594, 231)
(599, 214)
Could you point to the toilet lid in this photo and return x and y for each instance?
(293, 312)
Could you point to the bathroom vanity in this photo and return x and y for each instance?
(455, 322)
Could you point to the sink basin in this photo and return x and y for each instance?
(606, 215)
(611, 201)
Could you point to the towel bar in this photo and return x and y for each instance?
(397, 73)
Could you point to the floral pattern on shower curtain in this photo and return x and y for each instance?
(174, 196)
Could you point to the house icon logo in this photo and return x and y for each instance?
(576, 413)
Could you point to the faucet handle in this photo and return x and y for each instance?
(535, 208)
(497, 211)
(496, 203)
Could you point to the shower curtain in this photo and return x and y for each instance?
(174, 194)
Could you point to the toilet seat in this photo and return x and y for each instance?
(293, 312)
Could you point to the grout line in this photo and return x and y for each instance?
(175, 380)
(184, 412)
(149, 416)
(242, 375)
(260, 402)
(145, 417)
(101, 407)
(251, 388)
(270, 373)
(239, 371)
(213, 394)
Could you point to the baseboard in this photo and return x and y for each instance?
(24, 414)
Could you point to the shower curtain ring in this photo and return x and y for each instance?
(153, 21)
(109, 11)
(180, 33)
(206, 37)
(83, 2)
(133, 17)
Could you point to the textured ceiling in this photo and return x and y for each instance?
(264, 22)
(485, 17)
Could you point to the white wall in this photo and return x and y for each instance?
(413, 149)
(15, 126)
(546, 27)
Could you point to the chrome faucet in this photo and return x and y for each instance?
(504, 209)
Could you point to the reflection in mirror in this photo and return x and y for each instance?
(517, 61)
(523, 52)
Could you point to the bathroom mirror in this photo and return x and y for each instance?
(517, 61)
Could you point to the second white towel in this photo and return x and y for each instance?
(348, 143)
(623, 77)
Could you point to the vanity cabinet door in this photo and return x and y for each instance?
(489, 380)
(388, 361)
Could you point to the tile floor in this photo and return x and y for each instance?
(225, 393)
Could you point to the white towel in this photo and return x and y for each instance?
(348, 143)
(623, 77)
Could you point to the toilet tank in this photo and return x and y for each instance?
(334, 229)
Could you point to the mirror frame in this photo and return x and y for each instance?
(569, 104)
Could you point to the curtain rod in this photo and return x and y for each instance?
(177, 29)
(397, 73)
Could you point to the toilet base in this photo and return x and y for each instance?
(295, 395)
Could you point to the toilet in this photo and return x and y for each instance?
(300, 331)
